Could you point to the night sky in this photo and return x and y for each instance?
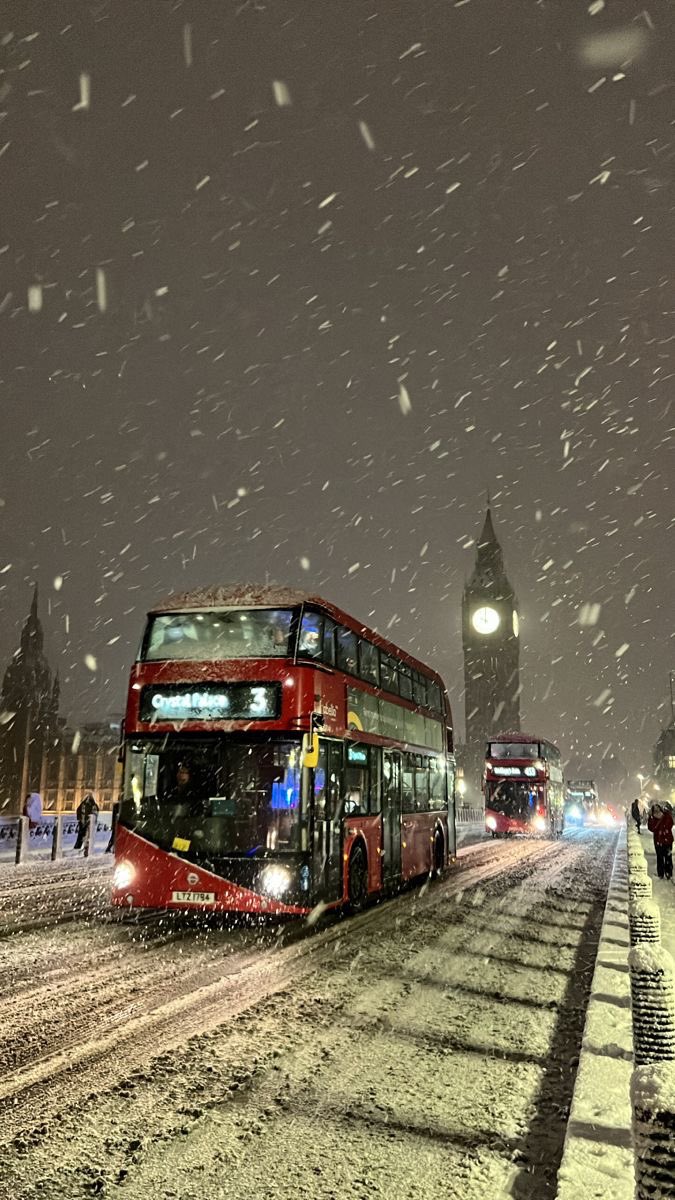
(287, 285)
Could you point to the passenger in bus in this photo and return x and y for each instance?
(172, 633)
(272, 639)
(185, 794)
(353, 802)
(309, 641)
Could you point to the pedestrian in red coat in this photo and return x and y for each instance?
(660, 823)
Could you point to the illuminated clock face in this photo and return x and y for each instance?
(516, 623)
(485, 619)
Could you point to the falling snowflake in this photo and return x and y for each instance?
(366, 135)
(35, 297)
(282, 96)
(404, 401)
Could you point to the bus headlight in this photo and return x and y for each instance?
(275, 880)
(491, 823)
(607, 819)
(123, 876)
(539, 824)
(574, 813)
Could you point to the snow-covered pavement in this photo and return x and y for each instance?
(598, 1157)
(427, 1047)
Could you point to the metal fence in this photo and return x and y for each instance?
(53, 836)
(470, 816)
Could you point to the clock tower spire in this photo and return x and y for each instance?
(490, 637)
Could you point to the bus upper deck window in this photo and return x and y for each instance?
(328, 652)
(346, 650)
(419, 688)
(405, 682)
(389, 673)
(369, 662)
(311, 635)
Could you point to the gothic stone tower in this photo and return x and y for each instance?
(29, 703)
(491, 652)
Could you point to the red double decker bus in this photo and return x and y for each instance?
(278, 756)
(523, 783)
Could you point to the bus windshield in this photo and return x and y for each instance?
(226, 798)
(219, 634)
(511, 798)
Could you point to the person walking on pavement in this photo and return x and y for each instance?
(32, 808)
(86, 808)
(636, 813)
(660, 824)
(111, 842)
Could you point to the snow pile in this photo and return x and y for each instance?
(652, 1088)
(650, 959)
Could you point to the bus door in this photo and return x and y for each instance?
(326, 826)
(391, 815)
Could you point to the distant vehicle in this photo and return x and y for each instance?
(523, 785)
(582, 805)
(609, 816)
(278, 756)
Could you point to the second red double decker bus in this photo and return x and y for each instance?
(523, 785)
(278, 756)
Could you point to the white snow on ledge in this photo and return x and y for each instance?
(597, 1160)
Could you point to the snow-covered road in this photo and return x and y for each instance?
(36, 895)
(424, 1048)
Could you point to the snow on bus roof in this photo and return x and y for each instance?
(254, 595)
(516, 735)
(241, 595)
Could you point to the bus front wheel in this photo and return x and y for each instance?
(357, 880)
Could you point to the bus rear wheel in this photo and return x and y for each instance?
(357, 885)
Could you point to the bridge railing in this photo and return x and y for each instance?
(55, 834)
(470, 816)
(52, 837)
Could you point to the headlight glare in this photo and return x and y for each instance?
(275, 880)
(123, 876)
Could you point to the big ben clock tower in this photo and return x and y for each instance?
(490, 636)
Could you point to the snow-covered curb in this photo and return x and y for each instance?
(597, 1157)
